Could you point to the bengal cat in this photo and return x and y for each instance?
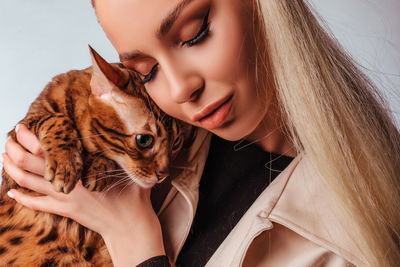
(93, 124)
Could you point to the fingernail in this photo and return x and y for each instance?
(11, 195)
(17, 128)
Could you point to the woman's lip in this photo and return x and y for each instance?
(217, 117)
(209, 109)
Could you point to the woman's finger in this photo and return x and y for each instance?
(26, 179)
(35, 203)
(39, 203)
(23, 158)
(28, 140)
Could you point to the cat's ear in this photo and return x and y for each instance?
(105, 77)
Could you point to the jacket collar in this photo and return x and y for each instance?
(297, 199)
(178, 210)
(308, 207)
(255, 221)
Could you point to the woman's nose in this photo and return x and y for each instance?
(185, 85)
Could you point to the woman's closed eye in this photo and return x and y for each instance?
(150, 75)
(200, 36)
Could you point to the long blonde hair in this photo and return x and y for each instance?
(336, 115)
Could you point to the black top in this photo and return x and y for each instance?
(235, 174)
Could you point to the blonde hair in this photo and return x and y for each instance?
(336, 115)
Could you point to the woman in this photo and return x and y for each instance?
(266, 72)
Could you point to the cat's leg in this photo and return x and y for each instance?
(100, 172)
(63, 149)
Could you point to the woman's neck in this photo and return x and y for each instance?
(270, 136)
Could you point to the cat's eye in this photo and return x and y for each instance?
(177, 142)
(144, 141)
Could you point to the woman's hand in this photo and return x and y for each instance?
(123, 216)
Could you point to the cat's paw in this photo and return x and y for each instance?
(99, 173)
(63, 168)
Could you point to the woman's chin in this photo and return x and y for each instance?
(234, 132)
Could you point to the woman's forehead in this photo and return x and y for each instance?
(145, 19)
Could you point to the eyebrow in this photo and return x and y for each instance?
(129, 55)
(170, 19)
(164, 28)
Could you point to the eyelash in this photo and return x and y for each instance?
(200, 36)
(150, 75)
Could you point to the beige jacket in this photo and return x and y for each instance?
(294, 222)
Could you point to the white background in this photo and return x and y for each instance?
(41, 38)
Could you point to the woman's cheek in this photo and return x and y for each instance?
(158, 90)
(226, 47)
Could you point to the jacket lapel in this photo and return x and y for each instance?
(178, 210)
(254, 221)
(308, 207)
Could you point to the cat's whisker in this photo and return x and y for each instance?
(117, 178)
(114, 172)
(101, 178)
(120, 182)
(105, 192)
(123, 188)
(129, 182)
(112, 176)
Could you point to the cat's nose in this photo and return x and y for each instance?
(162, 174)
